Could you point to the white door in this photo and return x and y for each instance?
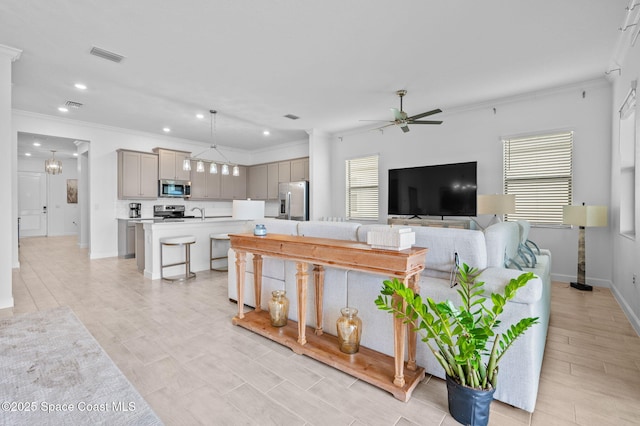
(32, 204)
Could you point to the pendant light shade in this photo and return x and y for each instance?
(213, 168)
(200, 166)
(236, 170)
(186, 165)
(225, 169)
(53, 166)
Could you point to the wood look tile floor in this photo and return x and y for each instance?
(176, 344)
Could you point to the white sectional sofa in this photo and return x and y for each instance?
(487, 251)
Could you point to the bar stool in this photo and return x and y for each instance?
(213, 238)
(183, 241)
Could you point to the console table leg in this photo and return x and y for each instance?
(257, 280)
(411, 329)
(302, 277)
(399, 335)
(318, 278)
(241, 260)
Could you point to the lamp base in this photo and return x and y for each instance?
(583, 287)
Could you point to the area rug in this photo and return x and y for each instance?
(53, 372)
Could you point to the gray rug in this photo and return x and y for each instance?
(52, 371)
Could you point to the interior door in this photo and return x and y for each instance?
(32, 204)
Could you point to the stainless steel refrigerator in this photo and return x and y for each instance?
(294, 200)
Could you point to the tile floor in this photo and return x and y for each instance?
(176, 344)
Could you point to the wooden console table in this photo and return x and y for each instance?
(381, 370)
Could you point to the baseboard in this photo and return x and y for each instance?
(6, 303)
(596, 282)
(631, 316)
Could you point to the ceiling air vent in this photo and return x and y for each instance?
(105, 54)
(292, 117)
(72, 104)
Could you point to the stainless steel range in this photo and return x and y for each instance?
(168, 213)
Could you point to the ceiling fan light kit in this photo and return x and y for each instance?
(213, 167)
(401, 119)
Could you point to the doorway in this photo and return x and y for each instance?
(32, 204)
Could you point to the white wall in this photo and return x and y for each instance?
(474, 134)
(626, 251)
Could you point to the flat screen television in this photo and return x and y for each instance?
(439, 190)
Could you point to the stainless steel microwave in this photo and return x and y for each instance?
(174, 188)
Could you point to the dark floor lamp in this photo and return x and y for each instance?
(583, 216)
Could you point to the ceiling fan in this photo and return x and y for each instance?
(403, 120)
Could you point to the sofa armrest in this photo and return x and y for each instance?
(496, 279)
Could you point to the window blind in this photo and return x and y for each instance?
(538, 170)
(362, 188)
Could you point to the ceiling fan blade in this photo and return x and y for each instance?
(405, 128)
(426, 122)
(425, 114)
(380, 121)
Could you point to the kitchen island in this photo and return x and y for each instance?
(150, 231)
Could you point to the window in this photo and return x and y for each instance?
(538, 171)
(362, 188)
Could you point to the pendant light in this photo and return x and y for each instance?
(213, 166)
(53, 166)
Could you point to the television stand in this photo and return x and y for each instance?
(440, 223)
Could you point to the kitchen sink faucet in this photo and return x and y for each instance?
(201, 211)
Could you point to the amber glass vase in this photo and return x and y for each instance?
(279, 308)
(349, 327)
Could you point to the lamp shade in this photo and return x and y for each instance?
(587, 216)
(496, 204)
(248, 210)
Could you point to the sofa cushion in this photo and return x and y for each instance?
(444, 243)
(336, 230)
(503, 239)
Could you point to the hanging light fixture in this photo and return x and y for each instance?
(213, 167)
(53, 166)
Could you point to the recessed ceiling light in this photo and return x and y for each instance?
(200, 116)
(166, 129)
(266, 133)
(63, 109)
(80, 86)
(36, 144)
(75, 154)
(28, 154)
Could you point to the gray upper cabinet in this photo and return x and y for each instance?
(272, 181)
(171, 164)
(299, 169)
(204, 185)
(257, 186)
(284, 171)
(234, 187)
(137, 175)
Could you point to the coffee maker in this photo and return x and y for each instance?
(134, 210)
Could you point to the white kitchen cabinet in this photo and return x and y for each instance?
(137, 175)
(171, 164)
(204, 185)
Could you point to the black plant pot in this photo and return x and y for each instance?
(467, 405)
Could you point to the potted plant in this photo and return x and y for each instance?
(463, 338)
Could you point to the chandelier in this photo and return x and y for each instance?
(53, 166)
(213, 167)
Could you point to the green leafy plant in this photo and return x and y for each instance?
(462, 339)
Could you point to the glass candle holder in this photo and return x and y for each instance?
(349, 327)
(279, 308)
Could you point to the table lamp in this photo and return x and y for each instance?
(248, 210)
(583, 216)
(496, 204)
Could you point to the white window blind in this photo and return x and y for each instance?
(538, 170)
(362, 187)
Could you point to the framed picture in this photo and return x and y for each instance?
(72, 191)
